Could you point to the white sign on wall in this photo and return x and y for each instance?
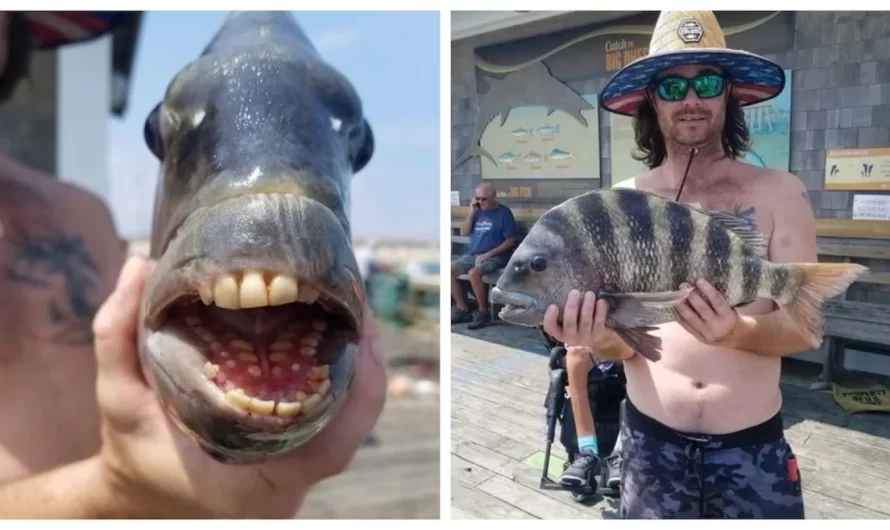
(871, 207)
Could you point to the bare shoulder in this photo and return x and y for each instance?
(639, 182)
(66, 222)
(781, 190)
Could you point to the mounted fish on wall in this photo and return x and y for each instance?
(537, 105)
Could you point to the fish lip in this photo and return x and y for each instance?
(190, 259)
(516, 303)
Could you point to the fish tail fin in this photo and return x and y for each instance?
(818, 281)
(470, 152)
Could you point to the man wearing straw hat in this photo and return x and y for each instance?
(702, 434)
(81, 435)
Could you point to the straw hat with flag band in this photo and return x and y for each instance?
(50, 29)
(692, 37)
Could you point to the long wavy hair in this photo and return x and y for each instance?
(651, 148)
(18, 54)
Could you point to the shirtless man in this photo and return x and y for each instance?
(710, 409)
(63, 452)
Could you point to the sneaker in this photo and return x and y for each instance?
(582, 469)
(459, 316)
(480, 320)
(613, 472)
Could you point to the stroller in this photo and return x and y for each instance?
(606, 393)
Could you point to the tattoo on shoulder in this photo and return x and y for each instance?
(59, 258)
(46, 257)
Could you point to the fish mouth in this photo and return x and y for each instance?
(518, 307)
(250, 340)
(262, 343)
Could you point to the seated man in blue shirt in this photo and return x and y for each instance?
(492, 231)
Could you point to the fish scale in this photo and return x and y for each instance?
(635, 249)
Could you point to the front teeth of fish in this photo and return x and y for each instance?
(284, 409)
(253, 291)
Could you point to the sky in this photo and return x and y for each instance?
(392, 59)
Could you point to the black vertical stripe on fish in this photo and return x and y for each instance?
(594, 216)
(751, 270)
(780, 282)
(681, 229)
(639, 215)
(556, 222)
(718, 248)
(641, 237)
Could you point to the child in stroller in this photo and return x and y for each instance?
(588, 443)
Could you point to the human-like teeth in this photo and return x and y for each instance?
(283, 289)
(249, 357)
(307, 350)
(319, 372)
(307, 294)
(281, 345)
(261, 406)
(323, 387)
(278, 356)
(225, 292)
(238, 398)
(210, 370)
(254, 370)
(242, 345)
(309, 341)
(253, 290)
(300, 396)
(206, 292)
(287, 409)
(311, 402)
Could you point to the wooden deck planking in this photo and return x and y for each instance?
(498, 422)
(398, 476)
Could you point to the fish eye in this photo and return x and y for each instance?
(538, 263)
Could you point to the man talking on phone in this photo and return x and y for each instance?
(492, 231)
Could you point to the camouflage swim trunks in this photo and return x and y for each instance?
(749, 474)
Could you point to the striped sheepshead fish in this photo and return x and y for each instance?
(635, 249)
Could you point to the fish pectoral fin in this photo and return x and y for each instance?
(631, 310)
(649, 346)
(744, 228)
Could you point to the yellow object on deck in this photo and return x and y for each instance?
(874, 398)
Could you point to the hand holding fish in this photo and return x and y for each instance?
(586, 327)
(707, 316)
(148, 468)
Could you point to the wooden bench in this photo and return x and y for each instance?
(863, 326)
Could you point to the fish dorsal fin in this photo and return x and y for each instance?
(742, 227)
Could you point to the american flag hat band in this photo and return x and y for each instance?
(50, 29)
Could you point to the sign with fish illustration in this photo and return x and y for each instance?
(857, 169)
(521, 111)
(534, 144)
(769, 123)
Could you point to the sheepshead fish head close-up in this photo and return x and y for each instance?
(252, 317)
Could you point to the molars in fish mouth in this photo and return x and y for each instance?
(264, 337)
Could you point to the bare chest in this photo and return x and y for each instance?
(722, 196)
